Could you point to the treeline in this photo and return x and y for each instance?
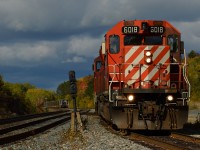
(23, 98)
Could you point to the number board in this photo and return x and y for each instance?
(157, 29)
(130, 29)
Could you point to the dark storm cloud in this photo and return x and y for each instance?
(173, 11)
(41, 40)
(37, 15)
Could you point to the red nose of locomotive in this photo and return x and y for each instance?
(147, 66)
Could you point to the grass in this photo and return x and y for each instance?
(194, 105)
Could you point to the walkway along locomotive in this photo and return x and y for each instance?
(140, 79)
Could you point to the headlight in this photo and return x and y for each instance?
(130, 98)
(148, 60)
(148, 54)
(170, 98)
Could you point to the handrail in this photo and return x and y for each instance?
(133, 65)
(185, 75)
(109, 90)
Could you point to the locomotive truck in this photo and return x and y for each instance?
(140, 76)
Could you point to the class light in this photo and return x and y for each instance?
(148, 60)
(148, 54)
(144, 25)
(170, 98)
(130, 98)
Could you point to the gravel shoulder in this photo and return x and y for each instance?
(94, 137)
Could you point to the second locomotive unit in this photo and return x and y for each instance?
(140, 77)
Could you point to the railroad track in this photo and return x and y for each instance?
(22, 127)
(185, 137)
(173, 141)
(26, 117)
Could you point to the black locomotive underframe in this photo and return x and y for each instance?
(149, 111)
(167, 118)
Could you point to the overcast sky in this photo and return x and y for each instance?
(42, 40)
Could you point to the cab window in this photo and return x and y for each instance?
(114, 44)
(139, 39)
(172, 41)
(98, 65)
(133, 39)
(153, 40)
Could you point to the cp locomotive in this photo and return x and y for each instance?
(140, 76)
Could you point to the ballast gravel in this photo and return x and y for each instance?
(94, 137)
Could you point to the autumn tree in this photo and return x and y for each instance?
(84, 96)
(90, 87)
(35, 98)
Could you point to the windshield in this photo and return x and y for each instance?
(138, 39)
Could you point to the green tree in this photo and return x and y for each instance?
(4, 90)
(63, 89)
(194, 77)
(192, 54)
(15, 94)
(1, 82)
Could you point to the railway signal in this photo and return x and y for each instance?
(75, 115)
(73, 88)
(72, 79)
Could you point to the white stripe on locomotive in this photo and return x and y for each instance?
(144, 67)
(155, 69)
(135, 61)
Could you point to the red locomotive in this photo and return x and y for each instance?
(140, 79)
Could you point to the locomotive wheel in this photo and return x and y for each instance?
(124, 132)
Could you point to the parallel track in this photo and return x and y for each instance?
(27, 123)
(26, 117)
(18, 131)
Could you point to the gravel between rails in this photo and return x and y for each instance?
(94, 137)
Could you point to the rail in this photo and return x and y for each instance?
(185, 137)
(19, 129)
(157, 139)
